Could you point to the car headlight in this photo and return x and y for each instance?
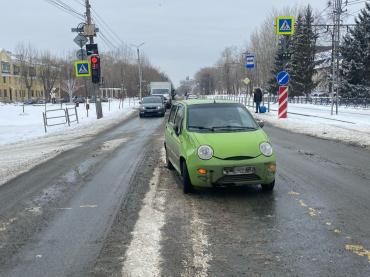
(142, 108)
(266, 149)
(159, 107)
(205, 152)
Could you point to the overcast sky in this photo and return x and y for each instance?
(180, 36)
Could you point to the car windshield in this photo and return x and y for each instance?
(220, 118)
(148, 100)
(160, 91)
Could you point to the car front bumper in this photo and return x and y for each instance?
(265, 169)
(152, 112)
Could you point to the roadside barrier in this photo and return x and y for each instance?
(57, 117)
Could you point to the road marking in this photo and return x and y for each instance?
(199, 238)
(89, 206)
(312, 212)
(358, 250)
(302, 203)
(337, 231)
(143, 255)
(35, 210)
(293, 193)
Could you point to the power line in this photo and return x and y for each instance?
(66, 8)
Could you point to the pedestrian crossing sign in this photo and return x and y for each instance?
(285, 25)
(82, 69)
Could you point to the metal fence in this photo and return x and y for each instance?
(57, 117)
(326, 101)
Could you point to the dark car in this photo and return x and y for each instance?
(79, 100)
(151, 106)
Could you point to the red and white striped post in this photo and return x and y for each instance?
(283, 102)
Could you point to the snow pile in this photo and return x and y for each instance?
(24, 143)
(350, 125)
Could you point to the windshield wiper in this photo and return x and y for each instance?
(229, 127)
(202, 128)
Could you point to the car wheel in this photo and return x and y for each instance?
(187, 186)
(169, 165)
(140, 115)
(268, 187)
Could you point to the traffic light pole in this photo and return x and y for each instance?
(98, 108)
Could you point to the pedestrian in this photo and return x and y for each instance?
(257, 98)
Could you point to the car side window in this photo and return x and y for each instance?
(179, 116)
(171, 118)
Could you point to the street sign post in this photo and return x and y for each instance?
(283, 78)
(283, 102)
(80, 40)
(285, 25)
(82, 69)
(81, 54)
(250, 61)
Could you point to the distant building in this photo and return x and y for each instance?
(12, 88)
(323, 69)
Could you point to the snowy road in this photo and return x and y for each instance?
(111, 208)
(55, 217)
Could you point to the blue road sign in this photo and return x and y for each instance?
(283, 78)
(285, 25)
(250, 61)
(82, 69)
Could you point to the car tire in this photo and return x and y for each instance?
(140, 115)
(268, 187)
(169, 165)
(187, 186)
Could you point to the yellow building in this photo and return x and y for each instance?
(12, 87)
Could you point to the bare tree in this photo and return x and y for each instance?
(48, 72)
(26, 58)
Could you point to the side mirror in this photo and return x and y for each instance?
(140, 102)
(261, 123)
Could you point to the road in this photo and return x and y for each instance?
(111, 208)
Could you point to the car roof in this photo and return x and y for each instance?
(191, 102)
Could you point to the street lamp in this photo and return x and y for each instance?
(139, 65)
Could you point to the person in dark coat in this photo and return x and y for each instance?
(257, 98)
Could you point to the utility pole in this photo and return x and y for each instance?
(88, 18)
(90, 33)
(337, 12)
(140, 70)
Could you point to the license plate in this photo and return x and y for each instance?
(242, 170)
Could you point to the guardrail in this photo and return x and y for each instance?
(50, 116)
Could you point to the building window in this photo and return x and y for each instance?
(5, 67)
(5, 93)
(16, 70)
(4, 80)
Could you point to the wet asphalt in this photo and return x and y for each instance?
(74, 216)
(56, 216)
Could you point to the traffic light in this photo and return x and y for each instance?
(95, 69)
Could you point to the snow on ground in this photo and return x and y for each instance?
(351, 125)
(24, 144)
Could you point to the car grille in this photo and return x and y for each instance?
(150, 108)
(237, 178)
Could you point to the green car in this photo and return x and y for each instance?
(218, 144)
